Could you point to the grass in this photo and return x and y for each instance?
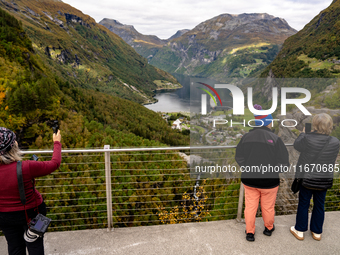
(150, 43)
(314, 63)
(217, 113)
(248, 47)
(248, 68)
(199, 129)
(162, 84)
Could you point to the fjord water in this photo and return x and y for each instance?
(179, 100)
(173, 101)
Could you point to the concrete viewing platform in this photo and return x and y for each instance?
(218, 237)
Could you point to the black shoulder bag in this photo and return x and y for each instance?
(40, 223)
(296, 185)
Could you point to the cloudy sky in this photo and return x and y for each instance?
(164, 18)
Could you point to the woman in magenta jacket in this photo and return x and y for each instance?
(13, 221)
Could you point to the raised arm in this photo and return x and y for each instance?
(42, 168)
(300, 142)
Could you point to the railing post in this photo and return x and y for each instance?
(240, 203)
(108, 187)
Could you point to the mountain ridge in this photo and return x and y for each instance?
(115, 26)
(228, 45)
(217, 48)
(178, 34)
(145, 45)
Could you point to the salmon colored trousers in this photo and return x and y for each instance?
(252, 197)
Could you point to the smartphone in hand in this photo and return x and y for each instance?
(55, 126)
(34, 157)
(308, 127)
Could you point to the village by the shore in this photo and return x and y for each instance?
(201, 127)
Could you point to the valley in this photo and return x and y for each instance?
(58, 63)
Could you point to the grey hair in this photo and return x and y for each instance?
(13, 155)
(323, 123)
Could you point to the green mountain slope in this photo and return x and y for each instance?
(32, 94)
(145, 45)
(314, 51)
(225, 46)
(84, 53)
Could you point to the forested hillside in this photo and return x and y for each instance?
(32, 95)
(85, 54)
(313, 52)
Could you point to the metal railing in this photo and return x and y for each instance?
(140, 186)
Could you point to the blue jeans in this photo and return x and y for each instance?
(318, 213)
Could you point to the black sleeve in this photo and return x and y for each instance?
(282, 157)
(239, 156)
(300, 143)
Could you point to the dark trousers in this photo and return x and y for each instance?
(14, 225)
(318, 213)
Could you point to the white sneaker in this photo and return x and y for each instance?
(316, 237)
(297, 234)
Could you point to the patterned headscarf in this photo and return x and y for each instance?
(7, 140)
